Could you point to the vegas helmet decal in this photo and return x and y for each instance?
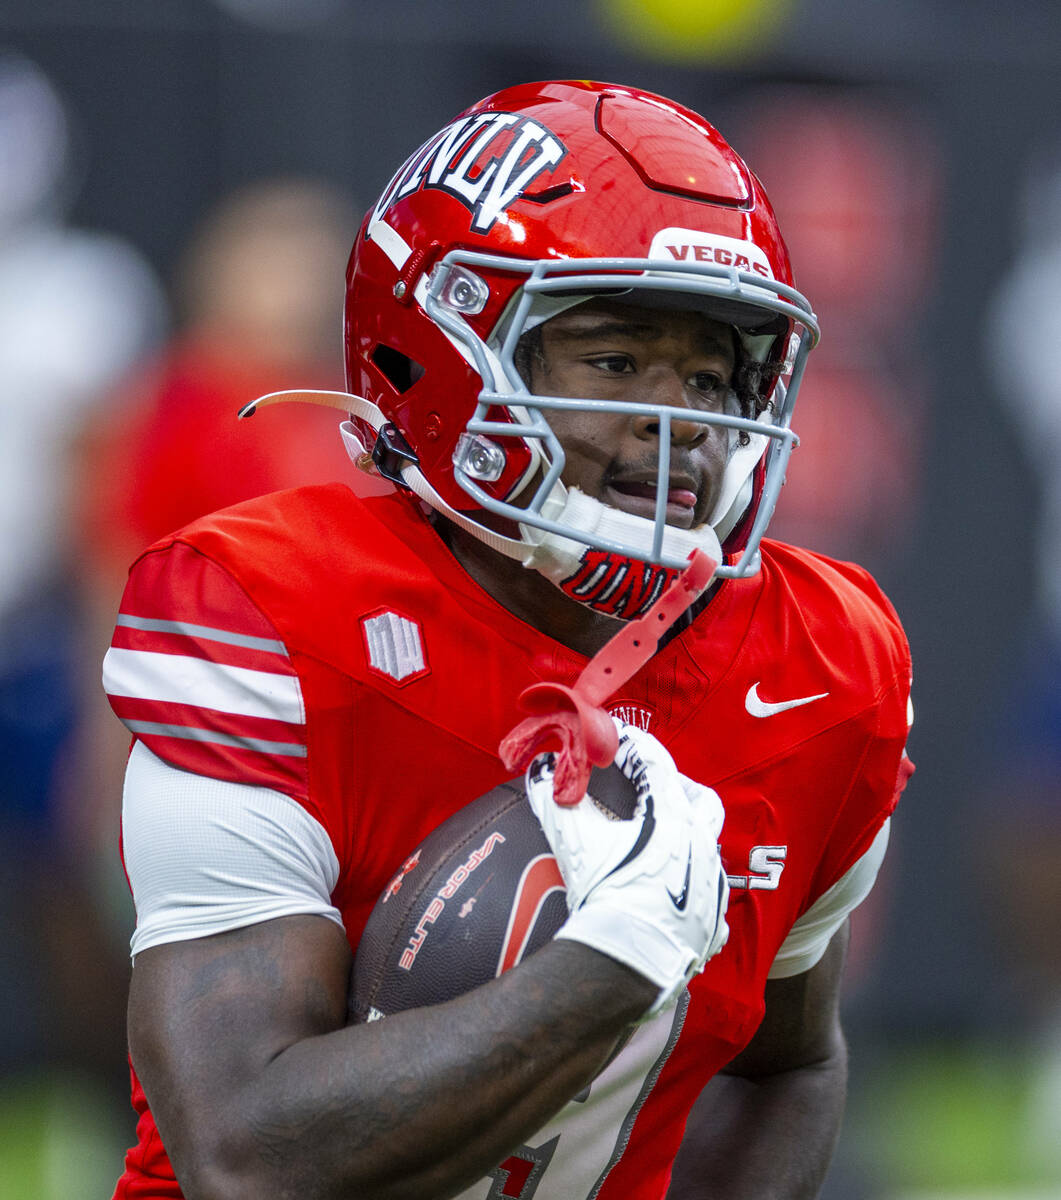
(693, 245)
(486, 161)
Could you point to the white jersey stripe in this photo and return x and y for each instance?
(180, 679)
(194, 734)
(205, 632)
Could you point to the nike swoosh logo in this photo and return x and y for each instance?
(682, 897)
(648, 827)
(764, 708)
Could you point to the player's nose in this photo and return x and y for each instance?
(665, 389)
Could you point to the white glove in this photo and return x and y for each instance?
(649, 891)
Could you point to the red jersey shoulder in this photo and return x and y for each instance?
(315, 592)
(806, 645)
(218, 622)
(303, 535)
(321, 560)
(820, 633)
(369, 588)
(821, 691)
(198, 673)
(811, 600)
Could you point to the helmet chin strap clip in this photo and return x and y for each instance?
(572, 721)
(392, 454)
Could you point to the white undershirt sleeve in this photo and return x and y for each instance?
(204, 856)
(810, 935)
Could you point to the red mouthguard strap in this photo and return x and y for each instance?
(571, 721)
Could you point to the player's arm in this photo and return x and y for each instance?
(238, 1037)
(241, 966)
(258, 1089)
(766, 1128)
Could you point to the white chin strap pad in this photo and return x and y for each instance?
(607, 581)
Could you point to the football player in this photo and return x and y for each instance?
(573, 344)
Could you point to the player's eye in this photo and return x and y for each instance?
(612, 364)
(709, 384)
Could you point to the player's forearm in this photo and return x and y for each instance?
(770, 1138)
(424, 1103)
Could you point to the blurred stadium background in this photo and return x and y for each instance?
(179, 180)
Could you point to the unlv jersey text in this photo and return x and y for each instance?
(485, 161)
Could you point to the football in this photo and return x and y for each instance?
(477, 896)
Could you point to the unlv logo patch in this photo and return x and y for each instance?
(394, 647)
(486, 161)
(620, 587)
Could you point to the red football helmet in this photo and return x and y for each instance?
(533, 200)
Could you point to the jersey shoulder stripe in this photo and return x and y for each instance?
(203, 632)
(197, 672)
(182, 721)
(150, 675)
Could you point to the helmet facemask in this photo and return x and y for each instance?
(537, 198)
(613, 560)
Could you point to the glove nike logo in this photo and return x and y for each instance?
(766, 708)
(648, 827)
(682, 897)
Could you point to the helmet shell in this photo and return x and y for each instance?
(542, 171)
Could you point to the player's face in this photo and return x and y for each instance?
(603, 350)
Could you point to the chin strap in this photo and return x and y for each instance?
(559, 558)
(572, 721)
(361, 457)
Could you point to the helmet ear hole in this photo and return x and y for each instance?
(401, 371)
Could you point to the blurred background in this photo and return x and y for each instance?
(180, 182)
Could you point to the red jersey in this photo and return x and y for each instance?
(332, 649)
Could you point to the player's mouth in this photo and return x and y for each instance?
(638, 496)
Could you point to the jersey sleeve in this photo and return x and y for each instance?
(204, 856)
(810, 936)
(852, 859)
(878, 783)
(199, 675)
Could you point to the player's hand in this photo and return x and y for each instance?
(649, 891)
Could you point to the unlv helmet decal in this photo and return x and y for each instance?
(486, 162)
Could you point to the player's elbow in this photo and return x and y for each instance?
(209, 1181)
(223, 1165)
(272, 1159)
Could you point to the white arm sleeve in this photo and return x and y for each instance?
(204, 856)
(811, 934)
